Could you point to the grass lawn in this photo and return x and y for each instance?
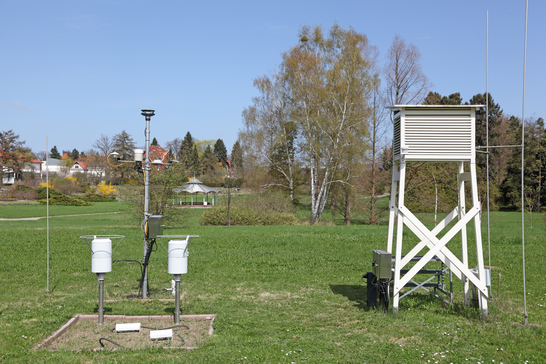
(282, 294)
(13, 211)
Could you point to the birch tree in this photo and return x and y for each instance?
(330, 80)
(269, 133)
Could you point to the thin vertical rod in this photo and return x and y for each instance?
(487, 138)
(523, 164)
(177, 302)
(101, 300)
(47, 213)
(146, 207)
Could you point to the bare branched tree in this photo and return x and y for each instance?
(104, 144)
(406, 82)
(174, 145)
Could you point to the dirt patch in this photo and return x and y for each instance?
(83, 332)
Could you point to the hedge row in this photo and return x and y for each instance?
(238, 216)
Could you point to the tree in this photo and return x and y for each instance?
(41, 155)
(123, 144)
(96, 164)
(66, 164)
(154, 142)
(208, 161)
(13, 154)
(220, 151)
(75, 154)
(377, 128)
(185, 150)
(188, 154)
(174, 146)
(434, 98)
(406, 82)
(237, 156)
(161, 186)
(54, 153)
(534, 161)
(104, 145)
(269, 134)
(330, 80)
(494, 119)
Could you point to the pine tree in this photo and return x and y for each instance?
(75, 154)
(237, 156)
(185, 153)
(123, 144)
(54, 153)
(220, 151)
(208, 161)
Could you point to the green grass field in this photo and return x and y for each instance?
(282, 294)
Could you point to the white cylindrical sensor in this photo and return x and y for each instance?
(178, 257)
(139, 155)
(101, 255)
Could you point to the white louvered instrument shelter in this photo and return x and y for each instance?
(434, 132)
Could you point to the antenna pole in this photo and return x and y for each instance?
(487, 139)
(47, 213)
(148, 115)
(522, 166)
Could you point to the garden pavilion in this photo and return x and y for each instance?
(195, 186)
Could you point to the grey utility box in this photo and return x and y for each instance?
(382, 264)
(154, 226)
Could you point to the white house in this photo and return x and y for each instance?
(52, 165)
(9, 176)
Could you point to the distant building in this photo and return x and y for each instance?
(9, 176)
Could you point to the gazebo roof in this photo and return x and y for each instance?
(196, 186)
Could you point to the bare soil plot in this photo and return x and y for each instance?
(83, 332)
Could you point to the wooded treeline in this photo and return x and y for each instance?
(320, 126)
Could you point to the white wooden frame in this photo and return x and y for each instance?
(422, 133)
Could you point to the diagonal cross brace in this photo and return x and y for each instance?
(446, 257)
(437, 247)
(424, 241)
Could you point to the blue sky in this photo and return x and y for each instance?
(75, 69)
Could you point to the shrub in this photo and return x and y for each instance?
(68, 187)
(245, 217)
(42, 193)
(161, 186)
(93, 197)
(269, 208)
(65, 201)
(24, 188)
(57, 198)
(23, 194)
(105, 189)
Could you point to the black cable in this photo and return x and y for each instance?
(145, 265)
(175, 326)
(113, 342)
(183, 341)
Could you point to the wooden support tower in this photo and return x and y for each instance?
(436, 133)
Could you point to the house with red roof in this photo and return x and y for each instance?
(157, 153)
(9, 176)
